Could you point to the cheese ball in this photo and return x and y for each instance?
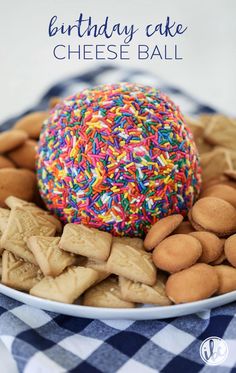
(118, 158)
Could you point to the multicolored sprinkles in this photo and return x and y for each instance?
(118, 158)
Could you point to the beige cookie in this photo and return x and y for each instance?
(131, 241)
(214, 215)
(101, 276)
(106, 294)
(230, 249)
(12, 139)
(184, 228)
(212, 246)
(203, 147)
(25, 155)
(219, 260)
(6, 163)
(225, 192)
(161, 229)
(18, 183)
(100, 267)
(32, 123)
(222, 179)
(67, 287)
(227, 278)
(221, 131)
(192, 284)
(13, 202)
(90, 242)
(233, 160)
(140, 293)
(131, 263)
(205, 119)
(97, 265)
(196, 127)
(177, 252)
(0, 268)
(4, 216)
(22, 224)
(50, 258)
(54, 101)
(19, 274)
(214, 163)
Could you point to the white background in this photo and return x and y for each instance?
(209, 46)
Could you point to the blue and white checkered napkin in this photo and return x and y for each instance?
(46, 342)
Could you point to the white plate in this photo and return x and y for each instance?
(143, 313)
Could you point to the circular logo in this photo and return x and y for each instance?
(214, 351)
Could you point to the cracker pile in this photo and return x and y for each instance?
(179, 261)
(215, 136)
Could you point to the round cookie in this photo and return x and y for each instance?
(212, 246)
(54, 101)
(219, 260)
(11, 139)
(19, 183)
(184, 228)
(224, 192)
(117, 157)
(6, 163)
(177, 252)
(161, 229)
(231, 174)
(192, 284)
(214, 215)
(230, 250)
(25, 155)
(32, 123)
(215, 181)
(227, 278)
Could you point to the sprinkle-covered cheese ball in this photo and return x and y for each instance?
(118, 158)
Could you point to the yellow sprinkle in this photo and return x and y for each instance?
(73, 153)
(115, 189)
(121, 156)
(67, 211)
(163, 159)
(129, 165)
(167, 179)
(61, 173)
(110, 165)
(96, 182)
(87, 174)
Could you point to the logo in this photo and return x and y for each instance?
(214, 351)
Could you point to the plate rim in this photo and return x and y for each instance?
(139, 313)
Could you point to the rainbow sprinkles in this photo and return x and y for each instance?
(118, 158)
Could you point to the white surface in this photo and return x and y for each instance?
(208, 46)
(7, 364)
(162, 339)
(144, 313)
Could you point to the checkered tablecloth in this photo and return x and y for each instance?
(45, 342)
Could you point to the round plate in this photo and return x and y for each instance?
(147, 312)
